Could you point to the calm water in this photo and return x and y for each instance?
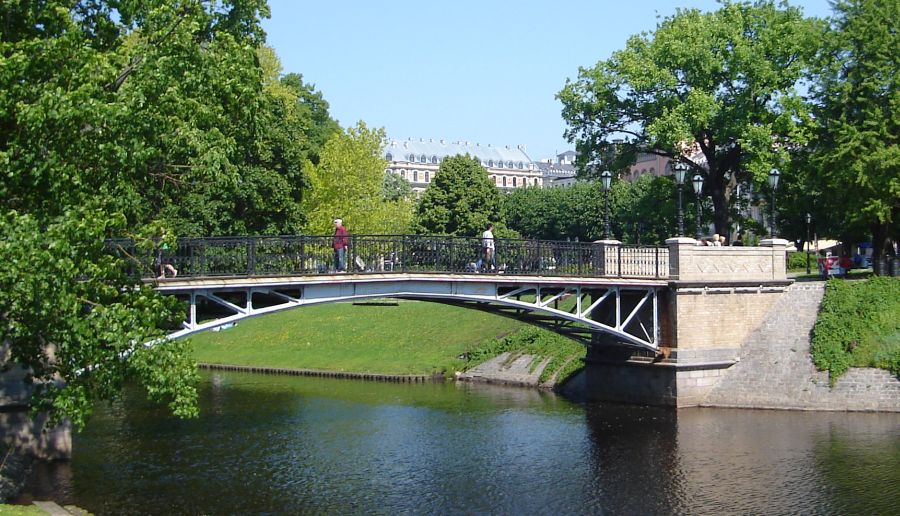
(278, 444)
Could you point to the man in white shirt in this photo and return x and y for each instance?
(489, 257)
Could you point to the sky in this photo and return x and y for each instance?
(479, 71)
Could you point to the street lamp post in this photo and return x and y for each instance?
(698, 187)
(681, 170)
(605, 181)
(774, 175)
(808, 221)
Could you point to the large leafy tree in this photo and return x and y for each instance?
(106, 109)
(348, 182)
(858, 109)
(718, 86)
(461, 200)
(289, 126)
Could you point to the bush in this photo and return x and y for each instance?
(797, 261)
(858, 325)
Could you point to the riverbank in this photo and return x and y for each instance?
(390, 337)
(392, 341)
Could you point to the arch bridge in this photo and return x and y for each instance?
(578, 289)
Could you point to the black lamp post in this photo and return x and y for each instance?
(698, 187)
(681, 170)
(774, 175)
(605, 182)
(808, 221)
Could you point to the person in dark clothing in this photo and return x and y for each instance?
(340, 242)
(164, 262)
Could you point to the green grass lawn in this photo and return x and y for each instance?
(412, 337)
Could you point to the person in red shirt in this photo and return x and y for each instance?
(340, 242)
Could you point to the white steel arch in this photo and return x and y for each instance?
(628, 311)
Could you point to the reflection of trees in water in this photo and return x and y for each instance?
(634, 458)
(863, 475)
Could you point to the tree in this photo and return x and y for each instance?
(348, 183)
(461, 200)
(264, 196)
(641, 212)
(721, 83)
(857, 102)
(106, 109)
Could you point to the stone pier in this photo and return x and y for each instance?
(716, 299)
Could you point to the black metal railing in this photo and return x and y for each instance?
(307, 255)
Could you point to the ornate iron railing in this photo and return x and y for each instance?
(378, 254)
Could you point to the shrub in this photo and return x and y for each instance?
(797, 261)
(858, 325)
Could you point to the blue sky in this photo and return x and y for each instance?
(482, 71)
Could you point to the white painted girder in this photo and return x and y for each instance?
(484, 290)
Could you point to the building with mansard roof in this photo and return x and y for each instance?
(418, 161)
(560, 172)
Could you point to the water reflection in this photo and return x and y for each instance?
(286, 445)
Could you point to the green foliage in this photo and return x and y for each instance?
(348, 183)
(461, 201)
(721, 83)
(858, 325)
(641, 211)
(70, 313)
(118, 118)
(856, 104)
(796, 260)
(566, 356)
(556, 213)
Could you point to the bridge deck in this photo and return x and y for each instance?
(240, 282)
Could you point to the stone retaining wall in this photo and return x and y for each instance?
(375, 377)
(776, 369)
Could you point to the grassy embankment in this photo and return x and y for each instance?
(858, 326)
(407, 338)
(21, 510)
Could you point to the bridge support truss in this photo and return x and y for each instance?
(626, 314)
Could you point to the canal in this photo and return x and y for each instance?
(284, 444)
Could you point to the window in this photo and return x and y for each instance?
(490, 163)
(427, 176)
(415, 176)
(389, 157)
(504, 181)
(520, 166)
(423, 159)
(434, 160)
(412, 158)
(509, 164)
(403, 174)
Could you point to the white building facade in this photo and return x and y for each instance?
(418, 162)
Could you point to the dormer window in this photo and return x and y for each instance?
(389, 157)
(423, 159)
(509, 164)
(434, 160)
(490, 163)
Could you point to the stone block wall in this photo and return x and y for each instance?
(776, 370)
(690, 262)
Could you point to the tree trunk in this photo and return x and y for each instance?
(721, 215)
